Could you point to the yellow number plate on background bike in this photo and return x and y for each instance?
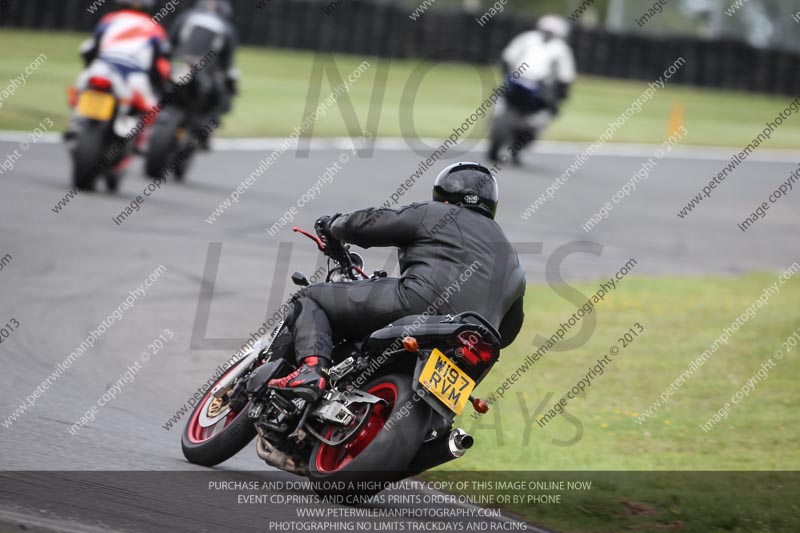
(446, 381)
(96, 105)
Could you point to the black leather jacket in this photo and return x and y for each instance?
(445, 249)
(197, 32)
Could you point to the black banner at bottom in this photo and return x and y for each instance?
(216, 501)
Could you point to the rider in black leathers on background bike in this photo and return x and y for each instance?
(207, 28)
(437, 241)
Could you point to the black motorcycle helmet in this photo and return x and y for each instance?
(222, 8)
(146, 6)
(469, 185)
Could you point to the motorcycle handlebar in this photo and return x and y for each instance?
(334, 249)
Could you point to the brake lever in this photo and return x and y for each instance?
(342, 257)
(320, 243)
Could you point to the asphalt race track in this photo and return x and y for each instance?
(70, 270)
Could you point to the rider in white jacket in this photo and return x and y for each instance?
(543, 56)
(539, 68)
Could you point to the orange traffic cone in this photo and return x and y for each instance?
(675, 118)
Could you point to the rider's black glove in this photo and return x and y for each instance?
(562, 91)
(323, 228)
(232, 85)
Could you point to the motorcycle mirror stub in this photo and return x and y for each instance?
(300, 279)
(357, 259)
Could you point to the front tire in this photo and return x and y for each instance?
(383, 448)
(213, 435)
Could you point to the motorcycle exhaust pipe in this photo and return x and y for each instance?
(274, 457)
(440, 451)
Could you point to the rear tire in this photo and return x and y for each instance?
(182, 166)
(385, 456)
(163, 145)
(235, 433)
(87, 157)
(500, 138)
(112, 181)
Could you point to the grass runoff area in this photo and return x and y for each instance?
(275, 86)
(644, 490)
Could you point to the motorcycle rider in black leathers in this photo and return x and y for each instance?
(207, 28)
(436, 242)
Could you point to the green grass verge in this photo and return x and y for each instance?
(275, 86)
(681, 317)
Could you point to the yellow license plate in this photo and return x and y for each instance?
(96, 105)
(446, 381)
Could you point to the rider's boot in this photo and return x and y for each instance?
(308, 382)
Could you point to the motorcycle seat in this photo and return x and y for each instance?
(419, 326)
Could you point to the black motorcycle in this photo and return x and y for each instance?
(183, 125)
(387, 414)
(519, 118)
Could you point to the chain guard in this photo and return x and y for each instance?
(364, 417)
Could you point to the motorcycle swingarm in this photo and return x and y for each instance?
(334, 411)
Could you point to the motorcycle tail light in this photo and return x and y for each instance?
(97, 82)
(139, 103)
(474, 349)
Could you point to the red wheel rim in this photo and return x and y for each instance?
(330, 458)
(198, 433)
